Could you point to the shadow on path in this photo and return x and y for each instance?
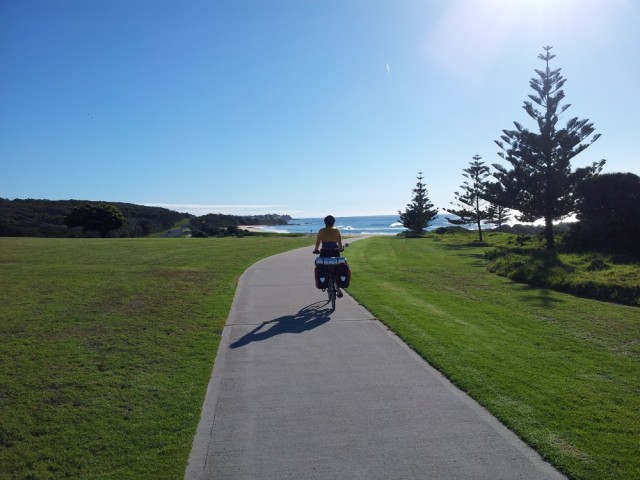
(306, 319)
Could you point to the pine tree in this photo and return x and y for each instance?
(472, 208)
(541, 183)
(498, 214)
(420, 212)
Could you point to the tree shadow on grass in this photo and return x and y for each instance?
(463, 250)
(543, 296)
(306, 319)
(465, 246)
(531, 273)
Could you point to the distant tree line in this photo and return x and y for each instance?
(218, 224)
(99, 218)
(46, 218)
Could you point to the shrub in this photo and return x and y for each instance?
(597, 264)
(586, 275)
(608, 210)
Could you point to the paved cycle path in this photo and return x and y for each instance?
(301, 392)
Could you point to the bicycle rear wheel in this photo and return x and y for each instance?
(332, 291)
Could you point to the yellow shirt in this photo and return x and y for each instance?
(329, 236)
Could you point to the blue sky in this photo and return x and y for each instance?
(305, 107)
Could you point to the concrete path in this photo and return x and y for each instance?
(301, 392)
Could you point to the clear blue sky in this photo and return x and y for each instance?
(305, 107)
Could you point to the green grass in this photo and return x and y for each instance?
(107, 346)
(563, 372)
(106, 350)
(608, 277)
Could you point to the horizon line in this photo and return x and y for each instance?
(252, 209)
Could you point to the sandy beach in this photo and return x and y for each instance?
(253, 228)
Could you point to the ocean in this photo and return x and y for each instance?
(369, 225)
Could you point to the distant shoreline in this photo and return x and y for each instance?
(254, 228)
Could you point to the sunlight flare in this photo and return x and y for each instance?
(471, 37)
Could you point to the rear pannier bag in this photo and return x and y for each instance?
(342, 271)
(321, 277)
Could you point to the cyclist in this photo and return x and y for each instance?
(330, 238)
(331, 241)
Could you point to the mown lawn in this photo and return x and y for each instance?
(563, 372)
(106, 348)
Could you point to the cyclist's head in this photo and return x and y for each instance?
(329, 221)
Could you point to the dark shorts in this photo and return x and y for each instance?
(329, 252)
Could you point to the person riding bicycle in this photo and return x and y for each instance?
(330, 239)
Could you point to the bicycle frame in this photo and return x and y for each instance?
(330, 263)
(332, 288)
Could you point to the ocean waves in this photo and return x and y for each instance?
(351, 226)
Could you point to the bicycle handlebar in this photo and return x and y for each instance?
(317, 252)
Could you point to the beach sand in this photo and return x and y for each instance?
(253, 228)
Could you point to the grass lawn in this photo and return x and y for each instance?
(562, 372)
(106, 348)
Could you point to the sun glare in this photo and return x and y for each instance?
(471, 35)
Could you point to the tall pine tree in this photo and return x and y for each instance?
(471, 207)
(420, 212)
(541, 183)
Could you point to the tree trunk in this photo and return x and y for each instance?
(479, 231)
(548, 232)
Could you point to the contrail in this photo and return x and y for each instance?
(387, 69)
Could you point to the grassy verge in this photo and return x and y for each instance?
(562, 372)
(107, 348)
(607, 277)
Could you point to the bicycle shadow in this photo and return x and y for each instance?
(306, 319)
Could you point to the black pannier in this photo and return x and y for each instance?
(343, 274)
(321, 277)
(342, 271)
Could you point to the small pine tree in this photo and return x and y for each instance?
(498, 214)
(471, 206)
(420, 212)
